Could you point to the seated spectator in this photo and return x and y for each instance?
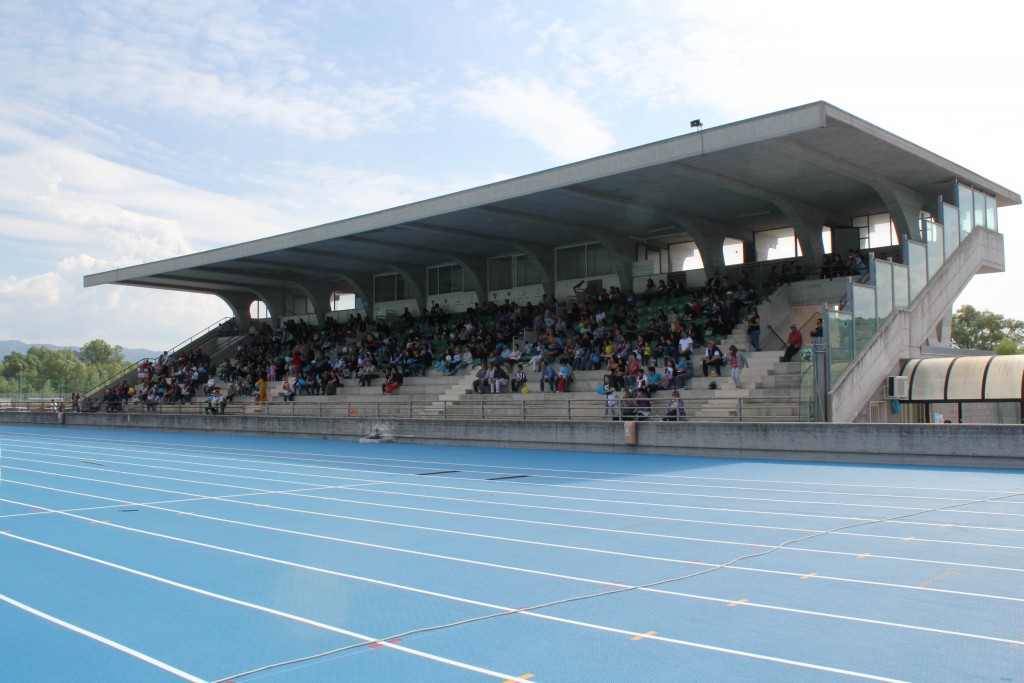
(393, 381)
(712, 362)
(675, 408)
(548, 376)
(519, 381)
(288, 392)
(499, 379)
(565, 378)
(795, 342)
(483, 378)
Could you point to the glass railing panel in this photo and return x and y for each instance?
(936, 254)
(840, 338)
(900, 286)
(917, 261)
(991, 215)
(950, 215)
(864, 315)
(951, 239)
(883, 290)
(965, 202)
(979, 209)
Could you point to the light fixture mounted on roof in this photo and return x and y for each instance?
(696, 124)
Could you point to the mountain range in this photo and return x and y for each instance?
(12, 345)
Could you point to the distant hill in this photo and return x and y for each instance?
(12, 345)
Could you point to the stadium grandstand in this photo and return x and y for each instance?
(534, 349)
(798, 216)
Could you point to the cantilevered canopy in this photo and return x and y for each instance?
(802, 168)
(966, 378)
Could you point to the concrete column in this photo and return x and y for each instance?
(905, 207)
(807, 224)
(543, 260)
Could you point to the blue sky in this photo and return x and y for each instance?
(137, 130)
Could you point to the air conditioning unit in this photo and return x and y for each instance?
(897, 386)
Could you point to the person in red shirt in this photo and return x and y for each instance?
(795, 341)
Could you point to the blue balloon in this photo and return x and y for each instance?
(600, 391)
(596, 359)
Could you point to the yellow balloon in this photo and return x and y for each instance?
(524, 390)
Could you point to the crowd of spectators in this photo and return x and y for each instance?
(627, 335)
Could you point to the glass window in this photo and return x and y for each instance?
(685, 256)
(780, 243)
(526, 273)
(879, 232)
(991, 214)
(826, 238)
(570, 263)
(384, 287)
(343, 301)
(732, 251)
(258, 310)
(500, 273)
(444, 280)
(599, 261)
(965, 201)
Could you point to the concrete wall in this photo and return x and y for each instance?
(910, 444)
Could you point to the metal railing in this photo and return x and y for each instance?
(133, 367)
(736, 409)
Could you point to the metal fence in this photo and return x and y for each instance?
(503, 408)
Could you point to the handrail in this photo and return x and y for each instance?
(128, 369)
(735, 409)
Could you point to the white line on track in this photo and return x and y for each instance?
(188, 499)
(100, 639)
(500, 608)
(823, 577)
(497, 469)
(621, 490)
(511, 540)
(600, 582)
(506, 493)
(480, 491)
(323, 457)
(515, 540)
(268, 610)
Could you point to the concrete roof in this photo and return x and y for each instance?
(731, 180)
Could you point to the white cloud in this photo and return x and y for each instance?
(210, 61)
(528, 108)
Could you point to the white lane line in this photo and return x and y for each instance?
(261, 608)
(531, 542)
(627, 515)
(100, 639)
(500, 608)
(189, 499)
(599, 512)
(824, 577)
(329, 457)
(578, 579)
(619, 490)
(479, 491)
(201, 460)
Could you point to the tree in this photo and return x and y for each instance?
(99, 352)
(974, 329)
